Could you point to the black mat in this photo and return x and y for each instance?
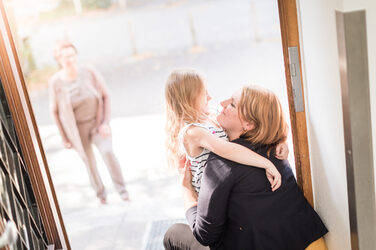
(153, 239)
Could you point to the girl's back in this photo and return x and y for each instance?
(198, 162)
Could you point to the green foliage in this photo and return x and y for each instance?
(65, 8)
(38, 79)
(95, 4)
(66, 4)
(26, 56)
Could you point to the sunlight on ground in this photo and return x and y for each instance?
(154, 190)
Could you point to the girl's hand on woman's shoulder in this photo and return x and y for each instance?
(274, 177)
(282, 151)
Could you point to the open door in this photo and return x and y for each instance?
(27, 192)
(31, 150)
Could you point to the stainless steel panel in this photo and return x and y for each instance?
(295, 79)
(353, 59)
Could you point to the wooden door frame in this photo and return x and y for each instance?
(288, 19)
(29, 138)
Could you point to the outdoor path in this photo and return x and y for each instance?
(154, 189)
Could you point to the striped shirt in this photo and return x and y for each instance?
(198, 163)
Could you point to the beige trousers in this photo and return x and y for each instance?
(104, 146)
(317, 245)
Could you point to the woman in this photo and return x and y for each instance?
(81, 109)
(192, 131)
(236, 208)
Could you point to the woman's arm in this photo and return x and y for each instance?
(104, 126)
(189, 194)
(207, 217)
(202, 138)
(101, 84)
(55, 114)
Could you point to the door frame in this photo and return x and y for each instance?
(28, 135)
(288, 19)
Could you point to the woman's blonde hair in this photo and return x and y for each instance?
(182, 89)
(262, 108)
(59, 46)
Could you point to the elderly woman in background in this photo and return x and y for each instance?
(81, 109)
(236, 208)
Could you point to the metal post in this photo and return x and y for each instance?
(254, 22)
(353, 58)
(193, 30)
(77, 6)
(132, 38)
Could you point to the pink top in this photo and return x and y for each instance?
(64, 111)
(84, 103)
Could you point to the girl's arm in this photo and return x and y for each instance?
(200, 137)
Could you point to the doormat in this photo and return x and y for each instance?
(153, 238)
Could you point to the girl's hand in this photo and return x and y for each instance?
(282, 151)
(104, 130)
(274, 177)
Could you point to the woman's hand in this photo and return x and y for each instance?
(189, 194)
(282, 151)
(67, 144)
(185, 173)
(274, 177)
(104, 130)
(181, 164)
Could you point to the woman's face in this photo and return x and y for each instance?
(68, 57)
(203, 102)
(229, 117)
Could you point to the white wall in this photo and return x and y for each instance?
(324, 116)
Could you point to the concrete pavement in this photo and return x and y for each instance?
(153, 188)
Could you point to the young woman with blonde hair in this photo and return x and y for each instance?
(193, 132)
(236, 209)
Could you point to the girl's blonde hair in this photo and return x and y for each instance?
(182, 89)
(262, 108)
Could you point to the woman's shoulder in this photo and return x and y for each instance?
(248, 144)
(55, 79)
(85, 69)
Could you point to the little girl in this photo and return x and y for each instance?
(192, 132)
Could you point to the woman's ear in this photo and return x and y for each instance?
(247, 126)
